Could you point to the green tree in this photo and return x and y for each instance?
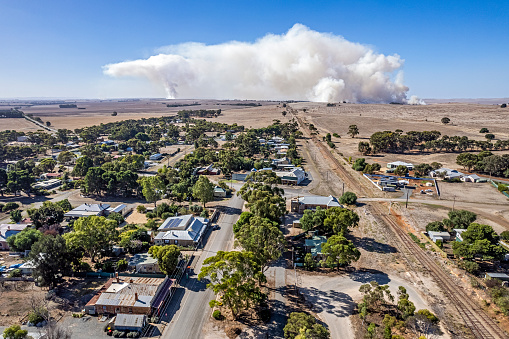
(348, 198)
(20, 180)
(262, 237)
(479, 240)
(92, 234)
(82, 165)
(3, 181)
(66, 157)
(401, 171)
(461, 218)
(484, 130)
(49, 214)
(489, 136)
(15, 332)
(24, 240)
(422, 170)
(405, 306)
(353, 130)
(435, 226)
(339, 251)
(64, 204)
(51, 259)
(375, 296)
(338, 220)
(152, 188)
(47, 165)
(311, 219)
(445, 120)
(234, 275)
(467, 160)
(301, 325)
(16, 216)
(364, 148)
(203, 190)
(167, 257)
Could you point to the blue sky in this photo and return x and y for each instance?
(452, 49)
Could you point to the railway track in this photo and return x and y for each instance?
(481, 325)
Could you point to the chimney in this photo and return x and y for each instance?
(118, 279)
(135, 295)
(8, 227)
(131, 281)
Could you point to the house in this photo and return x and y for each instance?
(458, 232)
(314, 245)
(472, 178)
(281, 161)
(131, 295)
(494, 275)
(156, 156)
(27, 268)
(446, 173)
(87, 210)
(219, 192)
(184, 230)
(144, 263)
(120, 209)
(442, 236)
(130, 322)
(312, 202)
(209, 170)
(48, 176)
(395, 164)
(7, 230)
(294, 177)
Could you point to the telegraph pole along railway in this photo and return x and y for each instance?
(480, 324)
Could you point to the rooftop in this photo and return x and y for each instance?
(130, 320)
(329, 201)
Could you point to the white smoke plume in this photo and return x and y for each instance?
(300, 65)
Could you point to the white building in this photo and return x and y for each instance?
(185, 230)
(293, 177)
(446, 173)
(156, 156)
(443, 236)
(472, 178)
(395, 164)
(87, 210)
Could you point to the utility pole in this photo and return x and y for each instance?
(343, 187)
(407, 195)
(453, 202)
(390, 206)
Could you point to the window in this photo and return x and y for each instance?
(176, 242)
(130, 310)
(166, 241)
(117, 309)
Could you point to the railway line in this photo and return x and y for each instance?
(480, 324)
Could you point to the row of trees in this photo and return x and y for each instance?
(486, 162)
(397, 142)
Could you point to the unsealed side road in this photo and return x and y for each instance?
(189, 310)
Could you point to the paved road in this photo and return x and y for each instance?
(188, 311)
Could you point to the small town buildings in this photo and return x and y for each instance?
(87, 210)
(446, 173)
(8, 230)
(131, 295)
(312, 202)
(494, 275)
(294, 177)
(130, 322)
(27, 268)
(395, 164)
(209, 170)
(120, 209)
(473, 178)
(184, 230)
(156, 156)
(48, 176)
(144, 263)
(219, 192)
(442, 236)
(314, 245)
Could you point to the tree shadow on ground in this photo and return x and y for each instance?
(334, 302)
(371, 245)
(367, 275)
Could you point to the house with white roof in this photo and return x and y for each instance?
(446, 173)
(472, 178)
(144, 263)
(7, 230)
(312, 202)
(293, 177)
(87, 210)
(395, 164)
(184, 230)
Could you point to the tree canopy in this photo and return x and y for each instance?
(203, 190)
(301, 325)
(51, 259)
(167, 257)
(479, 241)
(23, 240)
(339, 251)
(338, 220)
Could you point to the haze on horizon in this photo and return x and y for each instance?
(336, 50)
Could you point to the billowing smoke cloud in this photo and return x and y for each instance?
(301, 64)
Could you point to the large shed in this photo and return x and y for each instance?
(130, 322)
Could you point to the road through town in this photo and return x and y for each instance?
(189, 309)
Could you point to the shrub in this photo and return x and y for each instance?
(335, 135)
(151, 224)
(349, 198)
(196, 209)
(35, 317)
(484, 130)
(117, 217)
(359, 164)
(431, 317)
(154, 320)
(141, 209)
(489, 136)
(504, 235)
(439, 243)
(217, 315)
(469, 266)
(118, 334)
(133, 334)
(503, 106)
(10, 206)
(121, 265)
(166, 215)
(151, 215)
(204, 214)
(15, 273)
